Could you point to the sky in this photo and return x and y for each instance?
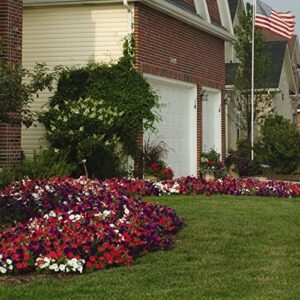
(286, 5)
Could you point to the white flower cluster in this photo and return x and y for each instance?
(70, 265)
(74, 217)
(166, 188)
(125, 216)
(104, 214)
(5, 265)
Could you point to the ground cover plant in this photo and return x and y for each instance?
(233, 247)
(75, 225)
(198, 186)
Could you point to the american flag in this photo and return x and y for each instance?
(281, 23)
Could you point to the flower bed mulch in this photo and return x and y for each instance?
(76, 225)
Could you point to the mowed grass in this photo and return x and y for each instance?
(231, 248)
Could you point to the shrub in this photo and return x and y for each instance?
(211, 164)
(242, 159)
(97, 112)
(279, 145)
(153, 156)
(18, 88)
(47, 163)
(83, 129)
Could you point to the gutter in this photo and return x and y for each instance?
(125, 3)
(267, 90)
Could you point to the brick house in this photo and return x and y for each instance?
(179, 49)
(11, 44)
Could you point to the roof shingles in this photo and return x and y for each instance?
(276, 50)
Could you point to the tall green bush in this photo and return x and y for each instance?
(279, 145)
(97, 112)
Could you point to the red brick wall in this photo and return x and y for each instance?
(170, 48)
(213, 10)
(11, 40)
(11, 29)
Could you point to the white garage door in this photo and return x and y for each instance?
(178, 127)
(211, 121)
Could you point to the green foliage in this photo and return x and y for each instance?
(154, 155)
(97, 112)
(154, 152)
(241, 158)
(262, 71)
(18, 87)
(48, 163)
(211, 164)
(279, 144)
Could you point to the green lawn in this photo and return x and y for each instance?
(231, 248)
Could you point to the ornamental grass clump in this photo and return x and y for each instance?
(77, 225)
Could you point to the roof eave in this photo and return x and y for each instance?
(162, 6)
(186, 17)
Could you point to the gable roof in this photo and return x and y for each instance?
(276, 50)
(230, 71)
(233, 5)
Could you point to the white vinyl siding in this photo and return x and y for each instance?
(68, 36)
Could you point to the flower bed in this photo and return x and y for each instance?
(75, 225)
(197, 186)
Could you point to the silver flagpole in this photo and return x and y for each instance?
(252, 80)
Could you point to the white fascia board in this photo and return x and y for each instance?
(188, 18)
(30, 3)
(232, 88)
(229, 87)
(225, 15)
(288, 60)
(202, 10)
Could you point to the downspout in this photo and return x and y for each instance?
(130, 161)
(125, 3)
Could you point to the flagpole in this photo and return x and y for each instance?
(252, 80)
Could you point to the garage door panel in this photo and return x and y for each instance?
(178, 126)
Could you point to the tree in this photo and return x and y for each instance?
(279, 144)
(262, 71)
(18, 88)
